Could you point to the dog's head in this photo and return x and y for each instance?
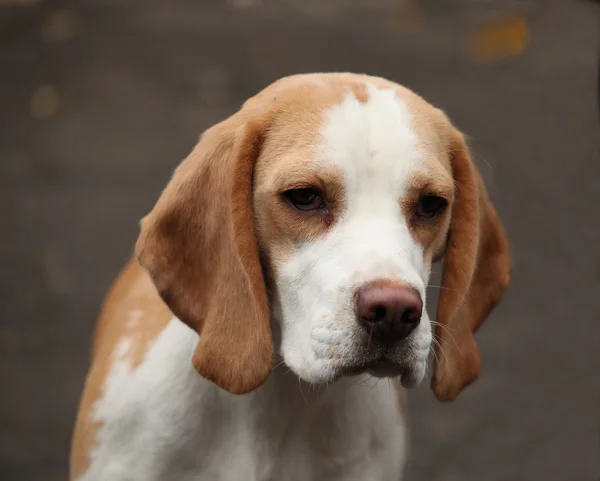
(313, 216)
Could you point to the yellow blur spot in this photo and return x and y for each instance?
(44, 102)
(60, 26)
(502, 38)
(405, 17)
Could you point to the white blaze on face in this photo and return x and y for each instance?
(374, 145)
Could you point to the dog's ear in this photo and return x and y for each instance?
(199, 246)
(475, 276)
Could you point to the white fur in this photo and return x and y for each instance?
(376, 148)
(162, 421)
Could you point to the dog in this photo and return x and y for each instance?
(288, 258)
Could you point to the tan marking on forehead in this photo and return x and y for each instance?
(305, 98)
(301, 100)
(431, 125)
(134, 311)
(289, 154)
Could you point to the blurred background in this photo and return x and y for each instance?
(100, 100)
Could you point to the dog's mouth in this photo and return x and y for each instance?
(383, 367)
(380, 367)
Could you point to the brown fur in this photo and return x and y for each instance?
(199, 247)
(133, 310)
(476, 274)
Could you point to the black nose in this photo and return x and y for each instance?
(389, 312)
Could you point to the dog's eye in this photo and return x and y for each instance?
(430, 206)
(305, 199)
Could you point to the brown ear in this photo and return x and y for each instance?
(198, 245)
(476, 274)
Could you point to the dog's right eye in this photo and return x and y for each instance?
(305, 199)
(430, 206)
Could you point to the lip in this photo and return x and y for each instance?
(379, 368)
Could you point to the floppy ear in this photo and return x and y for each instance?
(199, 246)
(475, 276)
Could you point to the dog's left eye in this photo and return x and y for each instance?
(305, 199)
(430, 206)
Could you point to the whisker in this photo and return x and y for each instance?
(427, 367)
(364, 380)
(449, 331)
(358, 381)
(442, 287)
(441, 349)
(431, 361)
(302, 392)
(278, 364)
(434, 354)
(370, 334)
(437, 323)
(376, 382)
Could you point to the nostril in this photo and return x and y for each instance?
(380, 313)
(411, 316)
(388, 312)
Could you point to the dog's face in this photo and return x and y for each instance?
(319, 209)
(349, 219)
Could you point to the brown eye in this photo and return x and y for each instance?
(305, 199)
(430, 206)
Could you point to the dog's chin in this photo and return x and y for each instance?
(380, 368)
(410, 372)
(410, 375)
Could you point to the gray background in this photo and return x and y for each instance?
(134, 84)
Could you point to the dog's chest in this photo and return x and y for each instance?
(161, 421)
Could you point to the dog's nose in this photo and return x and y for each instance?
(389, 312)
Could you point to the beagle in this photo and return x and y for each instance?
(287, 259)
